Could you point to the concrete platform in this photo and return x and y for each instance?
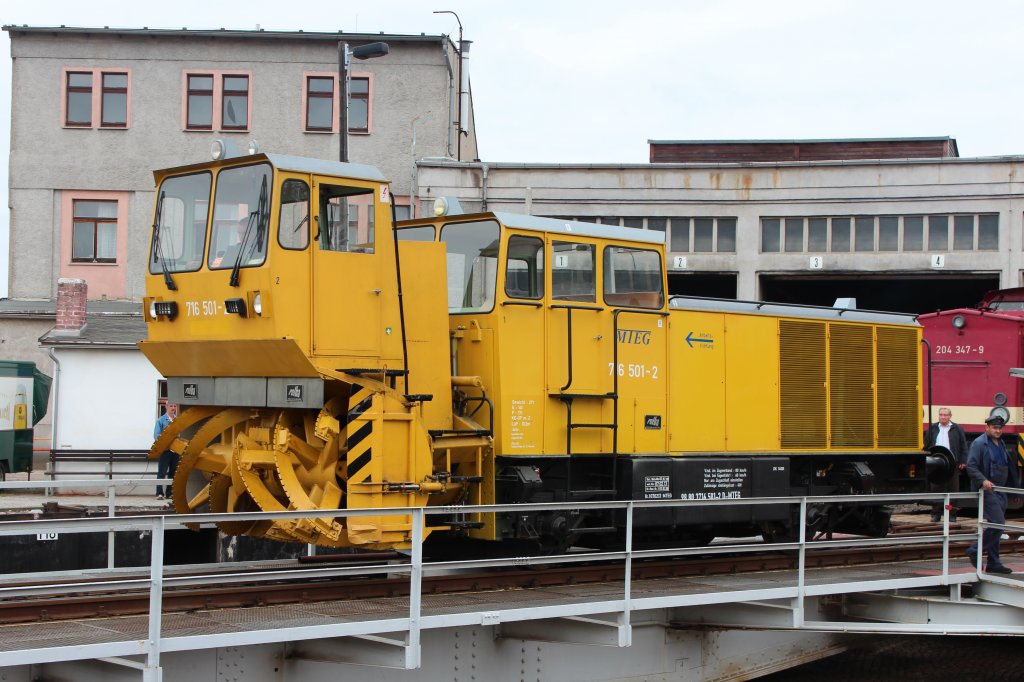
(141, 496)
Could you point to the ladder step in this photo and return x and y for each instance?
(593, 426)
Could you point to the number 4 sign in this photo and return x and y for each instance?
(938, 261)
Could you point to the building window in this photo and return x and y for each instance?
(963, 233)
(217, 100)
(988, 232)
(888, 233)
(235, 115)
(864, 233)
(94, 232)
(938, 233)
(680, 235)
(320, 103)
(96, 98)
(200, 102)
(770, 235)
(879, 234)
(359, 104)
(817, 235)
(79, 99)
(913, 233)
(794, 234)
(841, 235)
(114, 106)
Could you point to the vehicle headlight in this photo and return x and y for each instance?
(152, 310)
(257, 304)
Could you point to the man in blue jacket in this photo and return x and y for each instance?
(168, 463)
(989, 465)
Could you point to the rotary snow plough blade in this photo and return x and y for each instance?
(264, 459)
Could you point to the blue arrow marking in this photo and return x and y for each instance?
(690, 340)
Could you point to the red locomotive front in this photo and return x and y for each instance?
(971, 353)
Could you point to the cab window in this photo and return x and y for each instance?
(179, 240)
(293, 223)
(420, 233)
(472, 253)
(573, 267)
(346, 219)
(524, 267)
(632, 277)
(241, 217)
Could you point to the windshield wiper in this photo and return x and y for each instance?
(260, 217)
(158, 252)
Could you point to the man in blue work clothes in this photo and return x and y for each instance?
(168, 463)
(989, 465)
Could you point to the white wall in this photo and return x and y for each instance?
(106, 400)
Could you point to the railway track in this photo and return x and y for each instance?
(133, 599)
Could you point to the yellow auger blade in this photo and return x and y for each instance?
(169, 440)
(199, 456)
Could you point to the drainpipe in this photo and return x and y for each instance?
(483, 188)
(451, 97)
(56, 381)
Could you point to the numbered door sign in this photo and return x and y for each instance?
(46, 536)
(816, 263)
(938, 261)
(679, 262)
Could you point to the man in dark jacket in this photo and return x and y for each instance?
(949, 435)
(989, 465)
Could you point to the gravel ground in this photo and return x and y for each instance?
(918, 659)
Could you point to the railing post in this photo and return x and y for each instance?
(412, 642)
(945, 537)
(153, 671)
(981, 532)
(625, 627)
(798, 610)
(111, 513)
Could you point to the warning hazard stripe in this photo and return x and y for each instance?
(355, 466)
(359, 441)
(362, 406)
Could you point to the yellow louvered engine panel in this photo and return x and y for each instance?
(899, 402)
(802, 384)
(851, 386)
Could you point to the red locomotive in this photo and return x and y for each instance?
(967, 361)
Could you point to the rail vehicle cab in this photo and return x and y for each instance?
(273, 312)
(564, 322)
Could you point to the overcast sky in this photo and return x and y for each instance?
(593, 80)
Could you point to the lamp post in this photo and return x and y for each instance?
(368, 51)
(458, 50)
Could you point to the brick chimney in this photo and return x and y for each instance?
(71, 302)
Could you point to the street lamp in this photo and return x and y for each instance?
(462, 48)
(368, 51)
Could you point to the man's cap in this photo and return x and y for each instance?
(995, 420)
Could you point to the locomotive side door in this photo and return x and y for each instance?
(633, 292)
(346, 270)
(579, 350)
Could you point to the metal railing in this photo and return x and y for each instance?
(109, 485)
(413, 621)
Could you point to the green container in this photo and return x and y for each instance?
(24, 393)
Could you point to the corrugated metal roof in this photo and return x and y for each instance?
(258, 34)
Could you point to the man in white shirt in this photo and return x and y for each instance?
(948, 434)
